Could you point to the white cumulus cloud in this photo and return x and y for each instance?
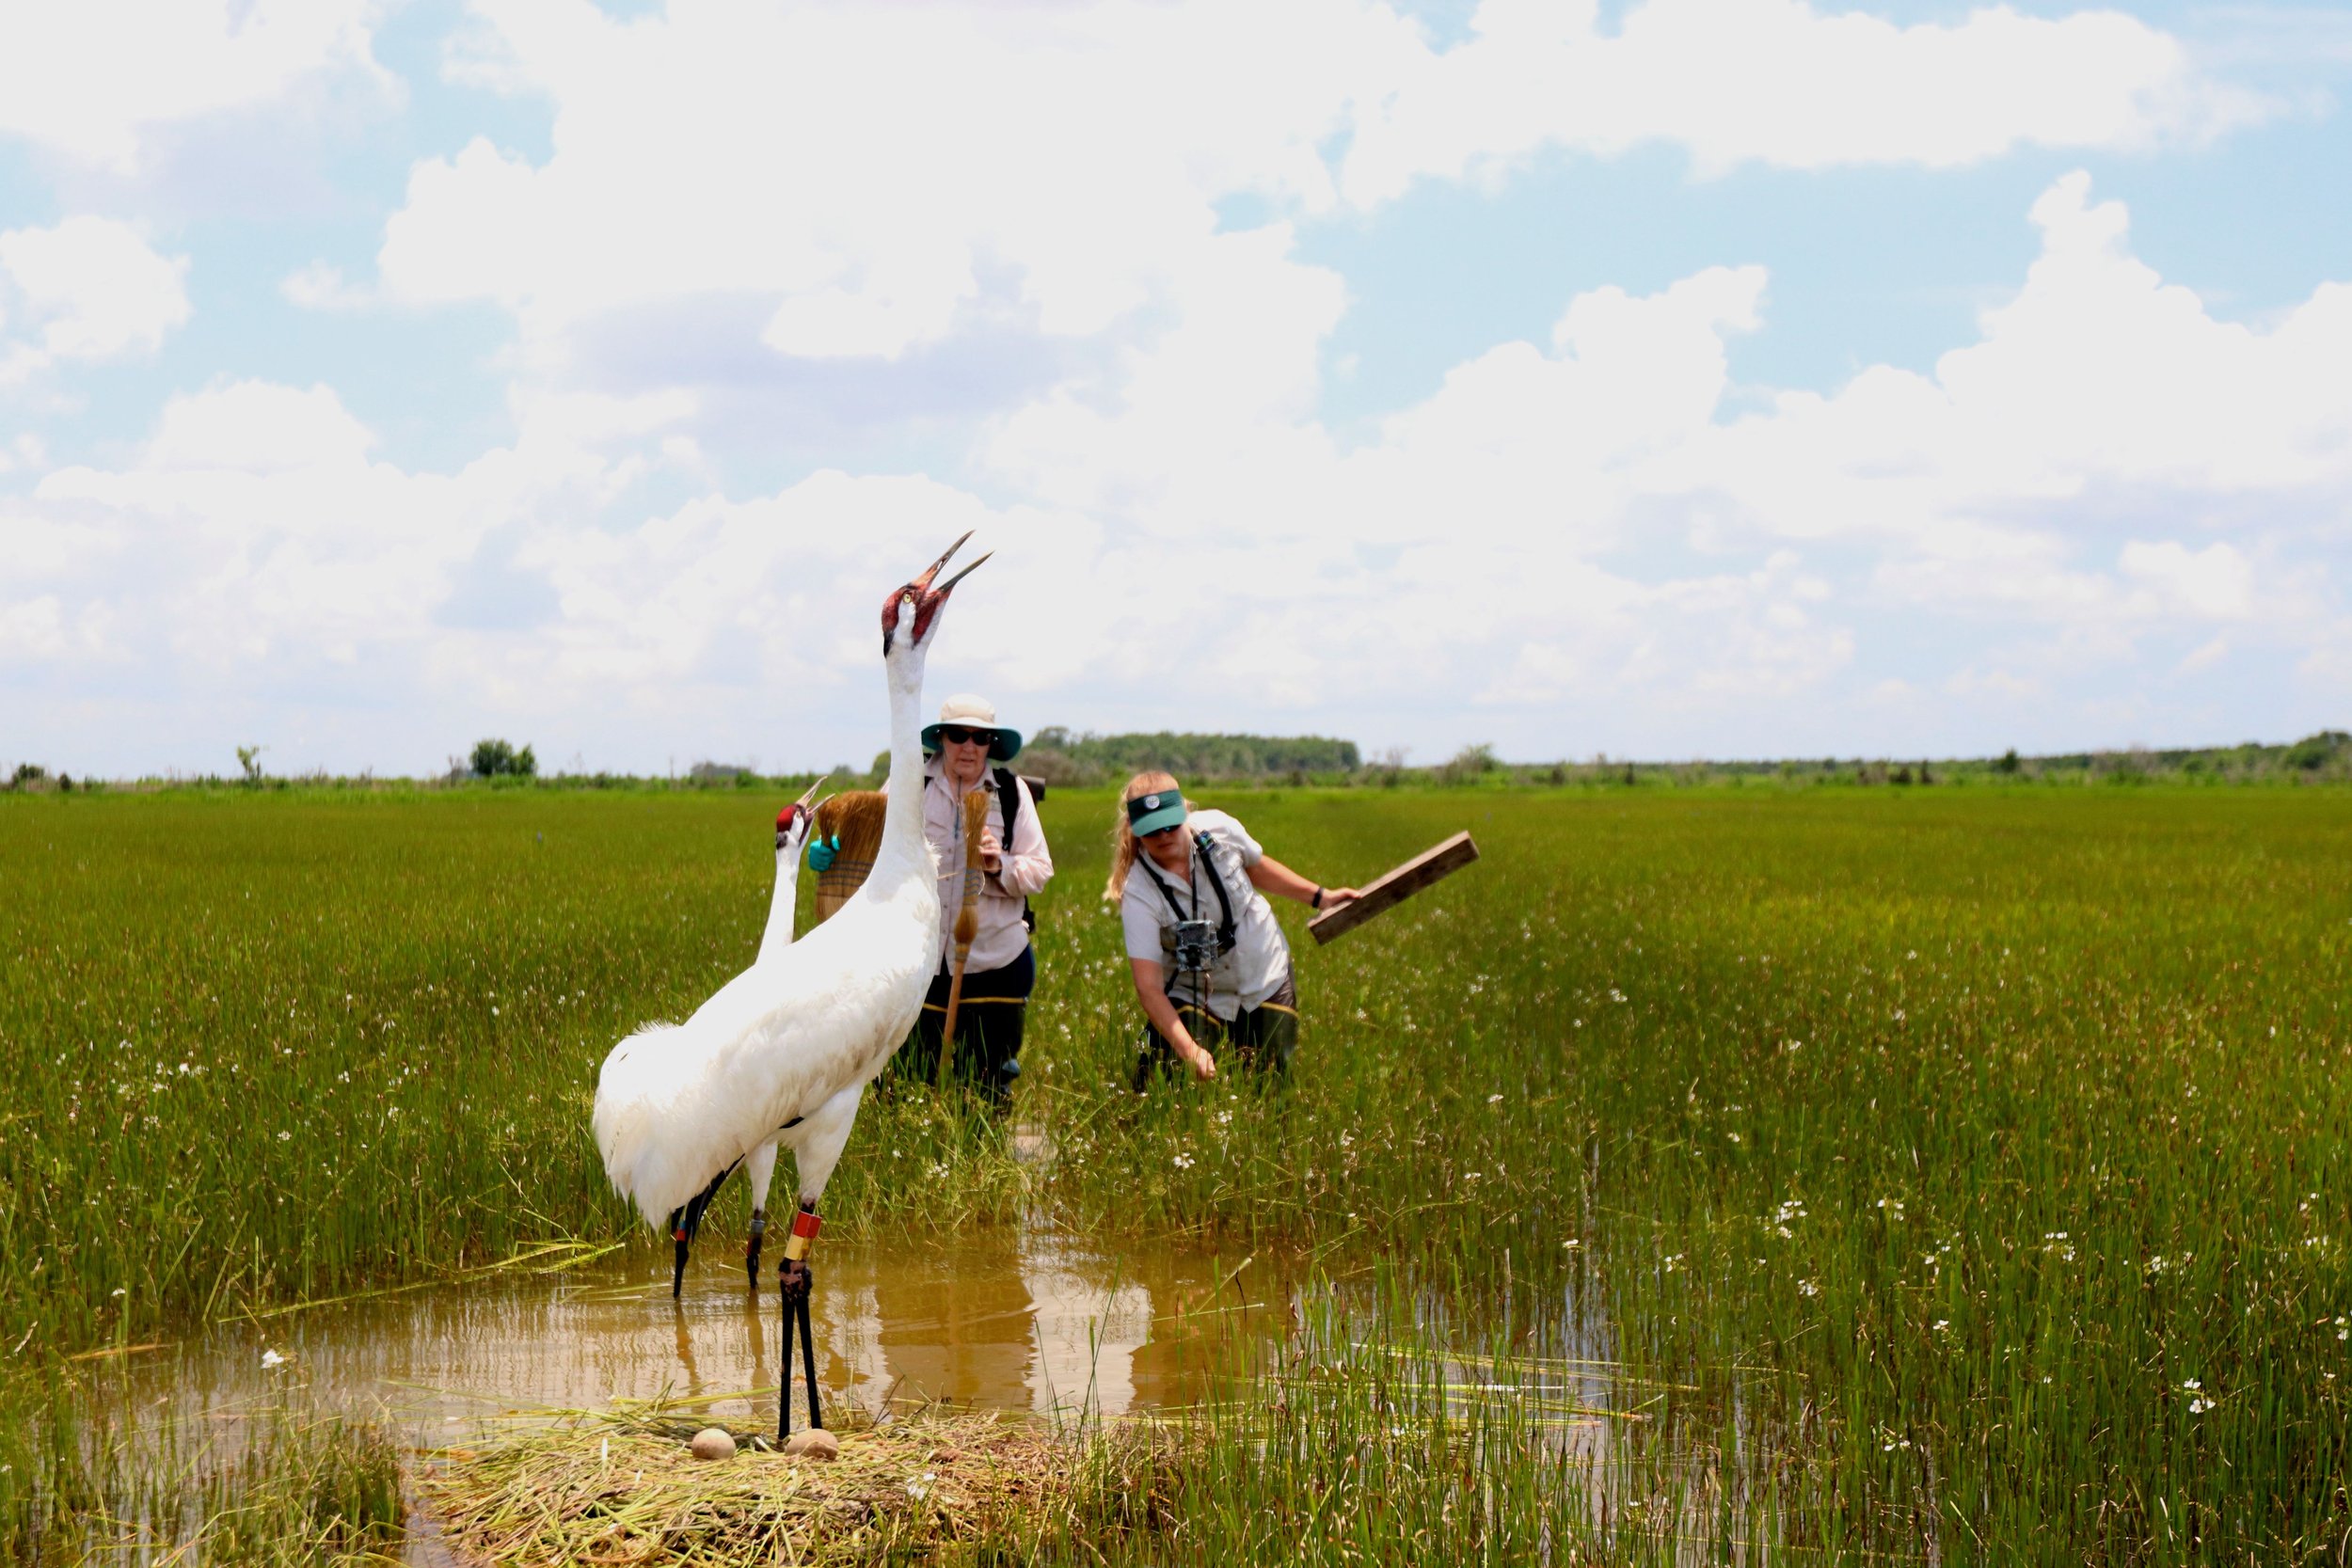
(1780, 82)
(89, 288)
(879, 185)
(93, 79)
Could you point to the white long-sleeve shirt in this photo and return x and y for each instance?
(1026, 865)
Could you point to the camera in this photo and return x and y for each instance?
(1195, 943)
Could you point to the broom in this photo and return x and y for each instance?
(855, 817)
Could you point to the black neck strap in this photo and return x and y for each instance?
(1227, 933)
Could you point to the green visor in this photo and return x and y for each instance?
(1148, 813)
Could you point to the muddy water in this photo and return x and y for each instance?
(1009, 1320)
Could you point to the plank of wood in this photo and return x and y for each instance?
(1430, 865)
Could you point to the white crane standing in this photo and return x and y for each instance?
(785, 1050)
(759, 1165)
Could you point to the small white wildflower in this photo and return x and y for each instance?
(1183, 1162)
(1494, 1099)
(284, 1138)
(1806, 1288)
(270, 1359)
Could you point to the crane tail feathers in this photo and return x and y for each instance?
(636, 1122)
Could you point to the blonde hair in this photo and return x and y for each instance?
(1123, 836)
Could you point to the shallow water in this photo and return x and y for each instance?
(1003, 1319)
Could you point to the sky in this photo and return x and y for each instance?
(1654, 378)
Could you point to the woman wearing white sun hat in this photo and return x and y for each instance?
(1001, 970)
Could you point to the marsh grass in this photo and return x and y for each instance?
(1959, 1172)
(274, 1489)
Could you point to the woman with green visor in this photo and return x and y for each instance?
(1209, 961)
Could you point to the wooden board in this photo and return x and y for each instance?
(1430, 865)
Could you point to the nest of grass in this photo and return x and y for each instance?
(621, 1488)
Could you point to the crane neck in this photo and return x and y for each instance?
(778, 934)
(903, 851)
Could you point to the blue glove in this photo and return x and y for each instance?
(820, 854)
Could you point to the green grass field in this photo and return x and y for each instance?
(1959, 1172)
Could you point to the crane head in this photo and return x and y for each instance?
(921, 601)
(793, 821)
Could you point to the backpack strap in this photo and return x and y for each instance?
(1007, 800)
(1008, 806)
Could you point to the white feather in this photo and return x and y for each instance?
(798, 1035)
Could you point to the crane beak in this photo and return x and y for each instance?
(922, 586)
(923, 583)
(941, 592)
(928, 598)
(808, 803)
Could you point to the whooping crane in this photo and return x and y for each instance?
(785, 1050)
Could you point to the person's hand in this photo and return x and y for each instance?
(992, 852)
(1334, 896)
(1189, 1051)
(821, 854)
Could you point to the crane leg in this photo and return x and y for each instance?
(793, 1283)
(759, 1168)
(784, 1381)
(685, 1222)
(808, 1365)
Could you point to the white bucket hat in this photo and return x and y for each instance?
(974, 713)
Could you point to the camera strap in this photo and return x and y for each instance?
(1227, 933)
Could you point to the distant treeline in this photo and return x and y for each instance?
(1057, 756)
(2325, 757)
(1061, 756)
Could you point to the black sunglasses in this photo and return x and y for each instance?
(956, 735)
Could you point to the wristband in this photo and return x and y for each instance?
(1318, 903)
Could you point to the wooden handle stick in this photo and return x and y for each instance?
(967, 921)
(1430, 865)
